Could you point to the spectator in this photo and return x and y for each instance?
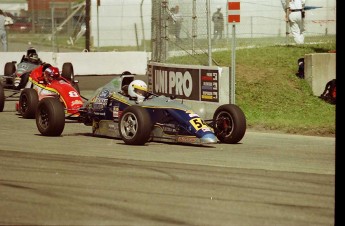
(171, 22)
(218, 20)
(178, 22)
(3, 34)
(295, 16)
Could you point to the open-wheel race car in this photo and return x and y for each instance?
(16, 75)
(123, 108)
(43, 80)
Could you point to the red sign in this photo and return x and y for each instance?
(234, 8)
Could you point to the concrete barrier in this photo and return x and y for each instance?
(319, 68)
(89, 63)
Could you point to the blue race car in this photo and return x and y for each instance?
(123, 108)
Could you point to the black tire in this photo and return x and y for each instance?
(50, 117)
(135, 125)
(9, 70)
(28, 102)
(229, 123)
(2, 98)
(68, 72)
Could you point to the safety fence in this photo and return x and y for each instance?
(154, 26)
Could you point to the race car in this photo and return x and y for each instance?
(15, 77)
(124, 109)
(44, 81)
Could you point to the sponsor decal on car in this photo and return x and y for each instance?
(113, 127)
(115, 111)
(104, 93)
(76, 102)
(187, 139)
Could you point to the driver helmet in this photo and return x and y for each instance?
(137, 89)
(51, 73)
(33, 58)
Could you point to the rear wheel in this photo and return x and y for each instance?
(9, 70)
(68, 72)
(135, 125)
(28, 102)
(229, 123)
(50, 117)
(2, 98)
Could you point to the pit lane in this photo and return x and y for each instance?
(78, 179)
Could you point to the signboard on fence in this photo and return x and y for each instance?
(199, 83)
(234, 8)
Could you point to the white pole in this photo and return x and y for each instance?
(209, 33)
(142, 23)
(97, 28)
(233, 67)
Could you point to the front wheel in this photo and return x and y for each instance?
(135, 125)
(28, 101)
(229, 123)
(50, 117)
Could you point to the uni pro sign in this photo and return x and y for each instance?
(189, 83)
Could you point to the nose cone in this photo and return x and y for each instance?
(209, 138)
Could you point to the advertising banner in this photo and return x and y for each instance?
(200, 83)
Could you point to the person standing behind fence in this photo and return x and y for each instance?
(178, 22)
(3, 34)
(171, 22)
(295, 16)
(218, 22)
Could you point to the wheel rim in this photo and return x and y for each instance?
(129, 126)
(224, 125)
(43, 119)
(24, 104)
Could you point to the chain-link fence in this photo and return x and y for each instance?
(262, 23)
(154, 26)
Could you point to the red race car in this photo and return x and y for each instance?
(46, 81)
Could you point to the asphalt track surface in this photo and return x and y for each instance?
(78, 179)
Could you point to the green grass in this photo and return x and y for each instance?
(271, 95)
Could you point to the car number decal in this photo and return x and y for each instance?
(197, 123)
(73, 94)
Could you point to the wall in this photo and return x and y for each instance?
(319, 68)
(89, 63)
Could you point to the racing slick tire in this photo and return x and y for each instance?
(9, 70)
(68, 72)
(2, 98)
(135, 125)
(229, 123)
(50, 117)
(28, 102)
